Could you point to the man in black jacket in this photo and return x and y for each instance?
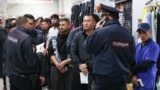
(21, 58)
(60, 69)
(82, 60)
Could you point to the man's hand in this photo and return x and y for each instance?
(134, 80)
(42, 80)
(82, 66)
(63, 70)
(85, 71)
(44, 51)
(60, 66)
(34, 48)
(101, 23)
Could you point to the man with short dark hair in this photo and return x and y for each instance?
(54, 20)
(20, 54)
(81, 60)
(39, 79)
(113, 48)
(60, 69)
(53, 30)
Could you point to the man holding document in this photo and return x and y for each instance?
(82, 60)
(144, 72)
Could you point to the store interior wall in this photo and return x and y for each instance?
(3, 8)
(137, 7)
(64, 7)
(37, 10)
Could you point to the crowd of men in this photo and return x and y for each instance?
(101, 49)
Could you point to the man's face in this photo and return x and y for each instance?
(64, 26)
(30, 25)
(53, 21)
(38, 22)
(144, 35)
(44, 26)
(88, 23)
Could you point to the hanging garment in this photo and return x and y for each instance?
(158, 26)
(153, 25)
(148, 18)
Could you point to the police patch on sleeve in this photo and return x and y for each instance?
(120, 44)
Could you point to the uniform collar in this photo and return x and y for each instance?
(23, 29)
(112, 22)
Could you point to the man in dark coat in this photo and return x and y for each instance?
(113, 49)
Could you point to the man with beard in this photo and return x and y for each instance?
(60, 68)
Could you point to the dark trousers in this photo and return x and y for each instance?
(61, 81)
(20, 83)
(36, 83)
(1, 68)
(103, 82)
(76, 85)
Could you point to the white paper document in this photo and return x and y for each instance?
(83, 78)
(140, 82)
(39, 47)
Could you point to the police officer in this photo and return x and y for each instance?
(113, 49)
(21, 58)
(145, 60)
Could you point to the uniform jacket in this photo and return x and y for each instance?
(3, 35)
(113, 48)
(19, 55)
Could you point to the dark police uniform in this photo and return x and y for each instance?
(113, 48)
(3, 35)
(21, 61)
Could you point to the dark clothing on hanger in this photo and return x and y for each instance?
(80, 10)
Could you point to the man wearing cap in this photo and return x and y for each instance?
(113, 49)
(145, 60)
